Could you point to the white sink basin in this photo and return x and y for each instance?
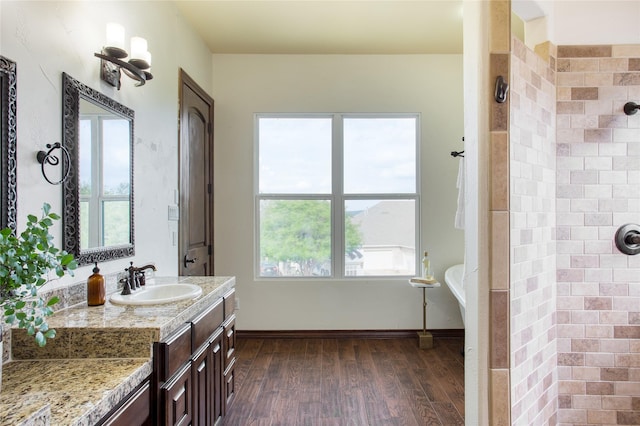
(157, 294)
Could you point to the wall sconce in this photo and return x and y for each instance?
(139, 65)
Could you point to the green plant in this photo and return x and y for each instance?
(25, 262)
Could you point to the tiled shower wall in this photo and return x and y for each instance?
(598, 189)
(532, 176)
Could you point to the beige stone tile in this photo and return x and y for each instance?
(567, 107)
(563, 65)
(499, 171)
(628, 417)
(563, 94)
(500, 397)
(570, 79)
(584, 65)
(616, 402)
(602, 417)
(500, 26)
(499, 302)
(598, 79)
(499, 116)
(626, 79)
(584, 93)
(625, 50)
(614, 64)
(571, 359)
(634, 64)
(584, 51)
(599, 388)
(626, 331)
(499, 250)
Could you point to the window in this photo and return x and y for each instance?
(104, 180)
(337, 195)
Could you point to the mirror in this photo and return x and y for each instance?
(8, 142)
(98, 193)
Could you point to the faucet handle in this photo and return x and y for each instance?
(140, 275)
(126, 287)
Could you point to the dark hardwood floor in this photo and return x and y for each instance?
(348, 382)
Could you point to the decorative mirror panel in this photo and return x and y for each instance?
(8, 142)
(98, 193)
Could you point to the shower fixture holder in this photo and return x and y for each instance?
(631, 108)
(628, 239)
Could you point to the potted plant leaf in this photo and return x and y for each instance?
(25, 263)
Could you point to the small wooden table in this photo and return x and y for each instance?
(425, 339)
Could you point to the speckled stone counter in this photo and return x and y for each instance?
(99, 355)
(67, 391)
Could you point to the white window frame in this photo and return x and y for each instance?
(337, 197)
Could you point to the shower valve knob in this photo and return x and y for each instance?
(628, 239)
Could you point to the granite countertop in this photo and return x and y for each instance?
(66, 391)
(100, 354)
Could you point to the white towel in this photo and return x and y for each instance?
(459, 221)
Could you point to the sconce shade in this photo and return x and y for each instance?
(115, 41)
(139, 53)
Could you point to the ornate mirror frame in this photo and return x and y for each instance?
(73, 91)
(8, 143)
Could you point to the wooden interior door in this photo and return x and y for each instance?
(196, 179)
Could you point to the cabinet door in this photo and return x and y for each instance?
(229, 343)
(229, 384)
(207, 382)
(202, 380)
(176, 399)
(215, 350)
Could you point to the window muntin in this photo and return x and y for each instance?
(355, 213)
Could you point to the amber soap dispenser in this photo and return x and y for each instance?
(96, 291)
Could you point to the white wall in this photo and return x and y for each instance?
(246, 84)
(48, 38)
(596, 22)
(581, 22)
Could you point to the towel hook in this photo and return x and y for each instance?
(502, 88)
(48, 158)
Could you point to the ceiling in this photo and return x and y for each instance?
(327, 26)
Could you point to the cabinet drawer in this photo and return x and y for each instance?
(229, 341)
(229, 303)
(172, 353)
(136, 410)
(205, 324)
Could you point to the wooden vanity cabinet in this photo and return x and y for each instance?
(194, 369)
